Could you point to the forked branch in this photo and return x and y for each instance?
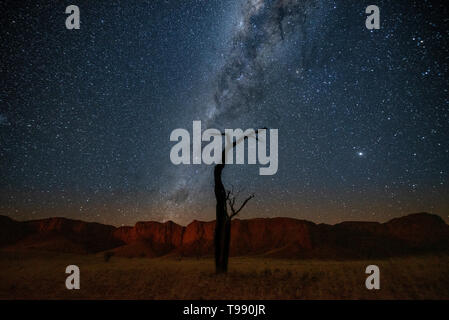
(230, 199)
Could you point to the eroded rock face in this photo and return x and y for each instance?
(420, 230)
(276, 237)
(198, 239)
(262, 235)
(150, 238)
(168, 233)
(65, 235)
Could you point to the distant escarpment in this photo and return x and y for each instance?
(274, 237)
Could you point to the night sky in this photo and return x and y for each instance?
(86, 115)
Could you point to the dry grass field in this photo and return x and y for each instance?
(37, 275)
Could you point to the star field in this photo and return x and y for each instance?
(86, 115)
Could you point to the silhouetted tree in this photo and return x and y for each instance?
(225, 198)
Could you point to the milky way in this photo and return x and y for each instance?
(86, 115)
(263, 35)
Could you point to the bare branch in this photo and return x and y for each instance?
(230, 199)
(241, 207)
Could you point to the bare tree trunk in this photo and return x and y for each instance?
(222, 235)
(222, 224)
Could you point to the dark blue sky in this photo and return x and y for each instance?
(86, 115)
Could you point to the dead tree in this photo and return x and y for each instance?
(222, 236)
